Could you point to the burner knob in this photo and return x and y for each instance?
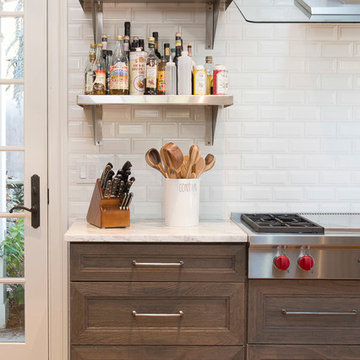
(306, 262)
(282, 262)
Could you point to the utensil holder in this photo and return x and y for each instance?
(181, 202)
(106, 213)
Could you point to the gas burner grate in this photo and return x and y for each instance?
(281, 223)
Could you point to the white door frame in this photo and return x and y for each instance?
(58, 180)
(35, 161)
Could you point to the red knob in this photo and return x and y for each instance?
(306, 262)
(282, 262)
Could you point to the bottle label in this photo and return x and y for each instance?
(100, 80)
(167, 51)
(119, 76)
(200, 82)
(151, 75)
(89, 82)
(137, 72)
(178, 43)
(161, 81)
(221, 82)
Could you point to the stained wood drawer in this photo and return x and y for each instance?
(157, 353)
(301, 352)
(115, 262)
(102, 313)
(304, 312)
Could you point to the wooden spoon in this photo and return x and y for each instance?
(165, 158)
(184, 167)
(209, 162)
(175, 159)
(153, 158)
(194, 156)
(199, 167)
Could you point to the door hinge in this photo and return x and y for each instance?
(48, 196)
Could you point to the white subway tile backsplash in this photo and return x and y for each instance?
(289, 143)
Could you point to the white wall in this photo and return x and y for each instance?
(291, 142)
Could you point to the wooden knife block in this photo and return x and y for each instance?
(106, 213)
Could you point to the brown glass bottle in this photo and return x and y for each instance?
(161, 70)
(151, 69)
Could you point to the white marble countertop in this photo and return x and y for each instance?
(157, 232)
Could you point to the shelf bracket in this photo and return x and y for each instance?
(211, 113)
(97, 114)
(98, 20)
(212, 17)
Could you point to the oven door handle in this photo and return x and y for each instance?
(321, 313)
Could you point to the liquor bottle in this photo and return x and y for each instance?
(142, 44)
(89, 73)
(104, 41)
(162, 69)
(108, 63)
(99, 85)
(135, 43)
(127, 26)
(177, 55)
(156, 37)
(151, 69)
(184, 74)
(209, 68)
(127, 46)
(189, 49)
(119, 71)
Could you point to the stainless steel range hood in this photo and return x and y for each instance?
(300, 11)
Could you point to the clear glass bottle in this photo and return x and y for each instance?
(209, 68)
(119, 71)
(89, 73)
(151, 69)
(99, 85)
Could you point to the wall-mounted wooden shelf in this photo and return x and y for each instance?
(212, 104)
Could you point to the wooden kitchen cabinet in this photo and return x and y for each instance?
(304, 312)
(203, 300)
(302, 352)
(116, 262)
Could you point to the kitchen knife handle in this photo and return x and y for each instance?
(179, 314)
(180, 263)
(320, 313)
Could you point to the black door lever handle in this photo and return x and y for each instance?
(35, 202)
(18, 207)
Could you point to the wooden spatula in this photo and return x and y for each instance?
(175, 159)
(184, 167)
(199, 167)
(194, 156)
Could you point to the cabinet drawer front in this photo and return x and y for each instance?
(157, 352)
(304, 312)
(301, 352)
(157, 262)
(166, 313)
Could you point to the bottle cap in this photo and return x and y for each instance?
(166, 45)
(178, 34)
(155, 35)
(209, 58)
(92, 46)
(151, 39)
(189, 44)
(99, 45)
(127, 37)
(104, 36)
(119, 37)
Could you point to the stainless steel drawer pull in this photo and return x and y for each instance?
(179, 314)
(135, 263)
(320, 313)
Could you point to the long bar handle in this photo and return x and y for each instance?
(320, 313)
(135, 263)
(179, 314)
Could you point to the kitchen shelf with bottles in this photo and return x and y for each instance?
(212, 103)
